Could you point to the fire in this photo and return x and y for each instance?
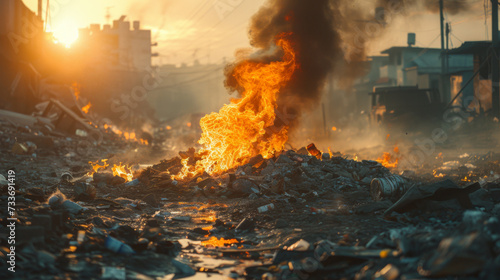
(214, 242)
(130, 136)
(244, 128)
(437, 175)
(76, 90)
(334, 128)
(118, 170)
(86, 108)
(168, 127)
(390, 160)
(123, 171)
(96, 166)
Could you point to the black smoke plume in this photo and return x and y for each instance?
(315, 39)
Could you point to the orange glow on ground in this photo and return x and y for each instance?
(96, 166)
(214, 242)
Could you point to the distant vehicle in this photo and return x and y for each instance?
(405, 107)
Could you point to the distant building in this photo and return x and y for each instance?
(21, 40)
(412, 66)
(481, 86)
(365, 84)
(119, 45)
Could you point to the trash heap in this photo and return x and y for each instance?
(301, 214)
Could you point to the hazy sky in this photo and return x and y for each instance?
(212, 29)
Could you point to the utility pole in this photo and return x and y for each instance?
(495, 98)
(447, 58)
(444, 88)
(40, 4)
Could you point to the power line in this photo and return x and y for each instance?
(189, 22)
(452, 34)
(197, 79)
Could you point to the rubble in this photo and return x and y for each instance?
(296, 214)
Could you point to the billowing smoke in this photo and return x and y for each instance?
(330, 37)
(315, 38)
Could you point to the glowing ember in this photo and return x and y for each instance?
(96, 166)
(214, 242)
(123, 171)
(208, 228)
(242, 129)
(86, 108)
(130, 136)
(188, 124)
(334, 128)
(390, 160)
(436, 174)
(76, 90)
(168, 127)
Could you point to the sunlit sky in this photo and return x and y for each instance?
(209, 30)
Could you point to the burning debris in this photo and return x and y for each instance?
(244, 128)
(86, 108)
(123, 171)
(390, 160)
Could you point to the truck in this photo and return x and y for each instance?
(404, 107)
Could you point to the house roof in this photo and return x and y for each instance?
(393, 49)
(472, 47)
(431, 63)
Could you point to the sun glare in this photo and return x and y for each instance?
(65, 35)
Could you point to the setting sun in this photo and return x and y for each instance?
(65, 35)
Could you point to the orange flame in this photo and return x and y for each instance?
(390, 160)
(240, 130)
(214, 242)
(123, 171)
(96, 166)
(76, 89)
(86, 108)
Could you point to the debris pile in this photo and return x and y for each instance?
(301, 213)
